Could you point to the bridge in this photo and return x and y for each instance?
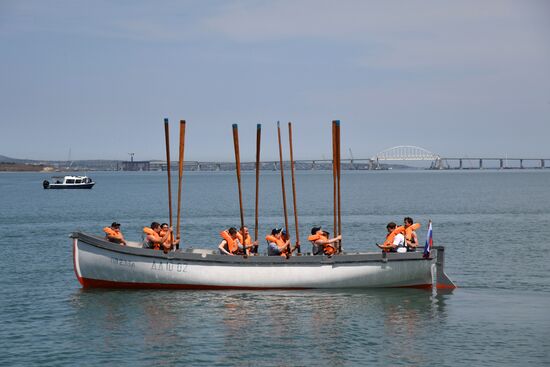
(414, 153)
(379, 161)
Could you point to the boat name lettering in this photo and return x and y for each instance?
(168, 266)
(122, 262)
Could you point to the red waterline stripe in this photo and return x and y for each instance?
(417, 286)
(444, 286)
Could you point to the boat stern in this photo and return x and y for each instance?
(442, 280)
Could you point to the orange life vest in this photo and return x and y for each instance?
(232, 245)
(391, 236)
(112, 233)
(246, 242)
(328, 249)
(410, 229)
(162, 234)
(149, 231)
(278, 241)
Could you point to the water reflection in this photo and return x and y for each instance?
(285, 328)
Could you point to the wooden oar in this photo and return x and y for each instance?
(338, 171)
(182, 144)
(282, 178)
(258, 139)
(293, 187)
(167, 138)
(334, 178)
(238, 169)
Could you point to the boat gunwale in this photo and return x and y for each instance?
(313, 260)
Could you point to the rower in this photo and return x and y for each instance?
(410, 233)
(395, 240)
(321, 243)
(163, 231)
(250, 247)
(113, 234)
(230, 242)
(153, 240)
(276, 244)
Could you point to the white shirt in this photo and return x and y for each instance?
(399, 240)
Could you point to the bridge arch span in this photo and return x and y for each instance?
(406, 153)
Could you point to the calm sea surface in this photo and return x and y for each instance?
(495, 226)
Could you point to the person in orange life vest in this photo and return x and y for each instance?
(410, 234)
(394, 238)
(163, 230)
(153, 239)
(321, 243)
(230, 244)
(113, 233)
(247, 241)
(276, 244)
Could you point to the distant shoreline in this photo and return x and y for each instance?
(22, 167)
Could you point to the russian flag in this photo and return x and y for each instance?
(429, 241)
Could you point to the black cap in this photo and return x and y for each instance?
(274, 231)
(315, 230)
(115, 224)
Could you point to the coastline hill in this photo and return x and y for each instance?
(16, 164)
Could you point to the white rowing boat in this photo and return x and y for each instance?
(102, 264)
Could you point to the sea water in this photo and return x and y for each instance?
(495, 226)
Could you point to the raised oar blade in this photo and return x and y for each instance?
(238, 170)
(293, 187)
(282, 177)
(180, 176)
(338, 175)
(281, 163)
(167, 139)
(334, 178)
(258, 141)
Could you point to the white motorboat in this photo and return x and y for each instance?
(69, 182)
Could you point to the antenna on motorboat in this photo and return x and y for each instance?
(69, 161)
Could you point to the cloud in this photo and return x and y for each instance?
(352, 20)
(397, 34)
(167, 21)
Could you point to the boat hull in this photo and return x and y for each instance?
(99, 263)
(71, 186)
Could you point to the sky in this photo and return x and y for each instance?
(97, 78)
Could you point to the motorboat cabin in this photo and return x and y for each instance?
(69, 182)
